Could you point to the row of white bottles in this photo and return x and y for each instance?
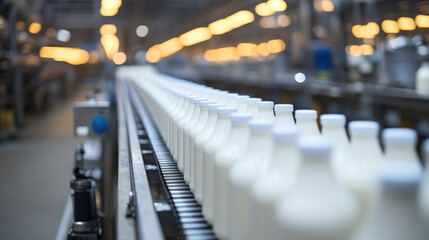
(260, 175)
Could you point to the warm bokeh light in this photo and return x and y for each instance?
(170, 47)
(75, 56)
(263, 49)
(366, 49)
(119, 58)
(110, 8)
(20, 25)
(276, 46)
(108, 12)
(110, 44)
(153, 54)
(247, 50)
(422, 21)
(283, 20)
(353, 50)
(367, 31)
(324, 6)
(277, 5)
(406, 24)
(372, 28)
(195, 36)
(107, 29)
(35, 28)
(219, 27)
(390, 26)
(240, 18)
(263, 10)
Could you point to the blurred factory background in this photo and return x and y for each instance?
(367, 59)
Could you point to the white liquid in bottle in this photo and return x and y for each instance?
(234, 148)
(317, 207)
(333, 128)
(306, 121)
(395, 214)
(213, 144)
(244, 174)
(274, 184)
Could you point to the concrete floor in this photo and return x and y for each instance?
(35, 172)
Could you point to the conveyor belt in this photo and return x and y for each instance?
(188, 213)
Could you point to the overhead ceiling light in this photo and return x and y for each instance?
(63, 35)
(142, 31)
(35, 28)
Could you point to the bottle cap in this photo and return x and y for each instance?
(399, 136)
(283, 108)
(333, 119)
(240, 117)
(306, 114)
(242, 98)
(260, 125)
(314, 146)
(363, 127)
(253, 101)
(398, 175)
(199, 99)
(285, 135)
(214, 107)
(266, 104)
(232, 94)
(222, 111)
(204, 104)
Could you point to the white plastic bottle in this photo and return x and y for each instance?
(395, 214)
(422, 79)
(275, 183)
(212, 146)
(284, 116)
(243, 175)
(252, 106)
(400, 144)
(173, 123)
(242, 103)
(195, 125)
(234, 148)
(316, 207)
(187, 124)
(363, 158)
(306, 121)
(424, 187)
(333, 128)
(183, 115)
(265, 110)
(200, 141)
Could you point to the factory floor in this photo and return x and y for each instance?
(35, 171)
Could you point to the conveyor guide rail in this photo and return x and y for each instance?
(156, 157)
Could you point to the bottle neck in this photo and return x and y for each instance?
(315, 174)
(337, 134)
(401, 152)
(239, 133)
(285, 158)
(307, 127)
(264, 113)
(284, 120)
(260, 144)
(252, 110)
(241, 107)
(366, 146)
